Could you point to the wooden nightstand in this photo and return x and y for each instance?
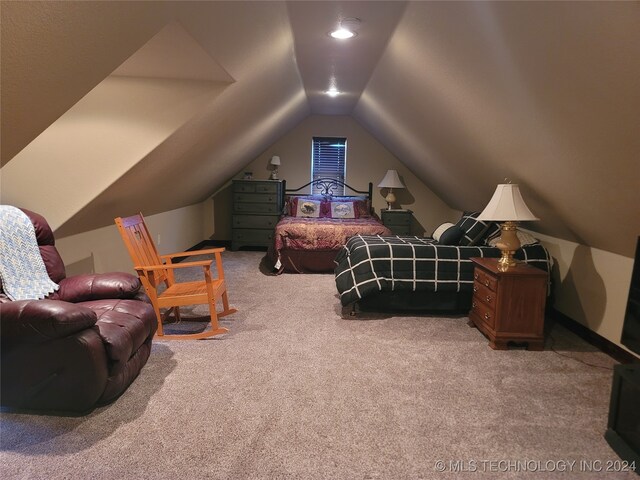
(398, 221)
(257, 205)
(509, 306)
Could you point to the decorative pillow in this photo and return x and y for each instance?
(475, 231)
(451, 236)
(447, 234)
(524, 237)
(291, 203)
(342, 210)
(440, 230)
(361, 205)
(308, 208)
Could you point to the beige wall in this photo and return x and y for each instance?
(102, 250)
(367, 161)
(591, 286)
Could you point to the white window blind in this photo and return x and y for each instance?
(329, 160)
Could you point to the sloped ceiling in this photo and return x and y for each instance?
(543, 93)
(464, 93)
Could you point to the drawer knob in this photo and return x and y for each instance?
(487, 316)
(473, 304)
(475, 275)
(475, 289)
(488, 298)
(486, 283)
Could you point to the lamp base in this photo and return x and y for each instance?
(390, 198)
(274, 174)
(508, 244)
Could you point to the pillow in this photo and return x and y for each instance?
(524, 237)
(451, 236)
(307, 208)
(440, 230)
(475, 231)
(361, 205)
(447, 234)
(342, 210)
(291, 203)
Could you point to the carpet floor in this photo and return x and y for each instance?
(298, 389)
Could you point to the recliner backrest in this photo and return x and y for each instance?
(48, 250)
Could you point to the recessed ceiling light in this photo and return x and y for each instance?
(332, 92)
(342, 33)
(346, 28)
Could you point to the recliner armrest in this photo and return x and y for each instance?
(36, 321)
(98, 286)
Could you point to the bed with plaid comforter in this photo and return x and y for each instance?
(370, 264)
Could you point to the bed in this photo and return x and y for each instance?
(315, 227)
(398, 273)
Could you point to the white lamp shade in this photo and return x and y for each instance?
(507, 205)
(391, 180)
(275, 160)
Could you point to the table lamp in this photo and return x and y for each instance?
(391, 180)
(508, 207)
(275, 161)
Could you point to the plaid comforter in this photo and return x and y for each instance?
(369, 264)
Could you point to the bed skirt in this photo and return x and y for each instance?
(417, 302)
(304, 261)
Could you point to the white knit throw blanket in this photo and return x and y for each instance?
(22, 270)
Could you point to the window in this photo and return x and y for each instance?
(329, 160)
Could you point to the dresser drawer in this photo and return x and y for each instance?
(484, 313)
(253, 237)
(255, 187)
(258, 208)
(255, 198)
(483, 278)
(255, 221)
(484, 294)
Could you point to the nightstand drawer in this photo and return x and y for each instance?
(484, 313)
(255, 221)
(397, 220)
(484, 294)
(481, 277)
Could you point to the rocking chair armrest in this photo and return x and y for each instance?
(194, 252)
(200, 263)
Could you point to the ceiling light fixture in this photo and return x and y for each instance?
(332, 92)
(346, 29)
(342, 33)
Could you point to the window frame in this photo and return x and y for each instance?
(332, 161)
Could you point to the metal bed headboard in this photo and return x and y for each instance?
(327, 185)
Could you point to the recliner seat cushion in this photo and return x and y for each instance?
(123, 325)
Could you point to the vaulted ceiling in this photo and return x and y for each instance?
(158, 104)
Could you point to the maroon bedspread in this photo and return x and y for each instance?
(297, 233)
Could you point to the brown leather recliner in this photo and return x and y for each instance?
(79, 348)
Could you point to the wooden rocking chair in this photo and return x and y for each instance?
(154, 270)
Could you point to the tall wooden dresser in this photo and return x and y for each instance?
(257, 205)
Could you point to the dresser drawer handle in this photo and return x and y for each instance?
(487, 316)
(473, 305)
(486, 283)
(475, 289)
(488, 298)
(475, 276)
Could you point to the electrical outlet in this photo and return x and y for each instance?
(158, 242)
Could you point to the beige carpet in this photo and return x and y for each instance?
(296, 390)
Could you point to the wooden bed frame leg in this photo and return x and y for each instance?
(353, 312)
